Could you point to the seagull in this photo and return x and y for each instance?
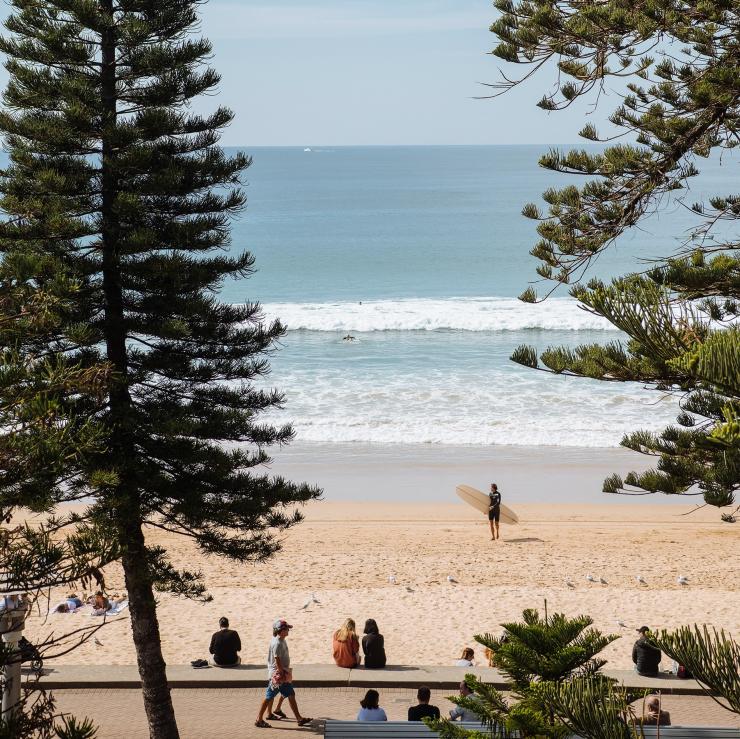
(641, 579)
(409, 590)
(451, 579)
(392, 579)
(622, 624)
(602, 581)
(312, 599)
(681, 580)
(570, 584)
(590, 578)
(97, 642)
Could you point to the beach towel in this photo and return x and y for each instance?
(114, 611)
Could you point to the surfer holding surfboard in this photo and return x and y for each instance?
(490, 505)
(494, 510)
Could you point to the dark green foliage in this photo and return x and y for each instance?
(43, 433)
(532, 654)
(117, 201)
(711, 656)
(679, 68)
(71, 728)
(592, 708)
(553, 648)
(40, 720)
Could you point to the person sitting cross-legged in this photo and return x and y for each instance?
(225, 645)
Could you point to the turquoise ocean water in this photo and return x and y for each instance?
(419, 252)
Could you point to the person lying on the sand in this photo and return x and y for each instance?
(100, 604)
(70, 605)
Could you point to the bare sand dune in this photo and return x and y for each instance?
(345, 553)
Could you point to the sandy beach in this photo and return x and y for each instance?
(345, 552)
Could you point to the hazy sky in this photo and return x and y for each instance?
(318, 72)
(338, 72)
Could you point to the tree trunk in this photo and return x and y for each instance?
(145, 627)
(127, 510)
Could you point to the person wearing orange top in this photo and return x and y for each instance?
(346, 645)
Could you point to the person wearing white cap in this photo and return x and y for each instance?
(279, 678)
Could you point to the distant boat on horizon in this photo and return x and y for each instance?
(308, 148)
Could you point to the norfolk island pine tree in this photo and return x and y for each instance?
(680, 65)
(42, 433)
(113, 174)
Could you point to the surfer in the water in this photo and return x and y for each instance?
(494, 510)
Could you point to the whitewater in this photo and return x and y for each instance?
(426, 314)
(419, 253)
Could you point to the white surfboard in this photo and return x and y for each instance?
(480, 501)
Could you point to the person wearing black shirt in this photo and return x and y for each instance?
(423, 710)
(373, 646)
(225, 644)
(494, 510)
(646, 656)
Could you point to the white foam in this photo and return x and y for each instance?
(519, 408)
(427, 314)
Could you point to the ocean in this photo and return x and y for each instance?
(419, 253)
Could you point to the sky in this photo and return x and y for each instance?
(371, 72)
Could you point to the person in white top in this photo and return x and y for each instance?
(370, 709)
(466, 658)
(464, 714)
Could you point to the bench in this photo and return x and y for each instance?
(418, 730)
(386, 729)
(691, 732)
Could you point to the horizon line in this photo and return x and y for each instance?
(349, 146)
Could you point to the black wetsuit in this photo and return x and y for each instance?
(494, 512)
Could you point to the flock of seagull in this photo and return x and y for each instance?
(681, 580)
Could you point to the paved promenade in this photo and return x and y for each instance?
(229, 713)
(222, 703)
(321, 676)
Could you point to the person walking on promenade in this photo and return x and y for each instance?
(279, 678)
